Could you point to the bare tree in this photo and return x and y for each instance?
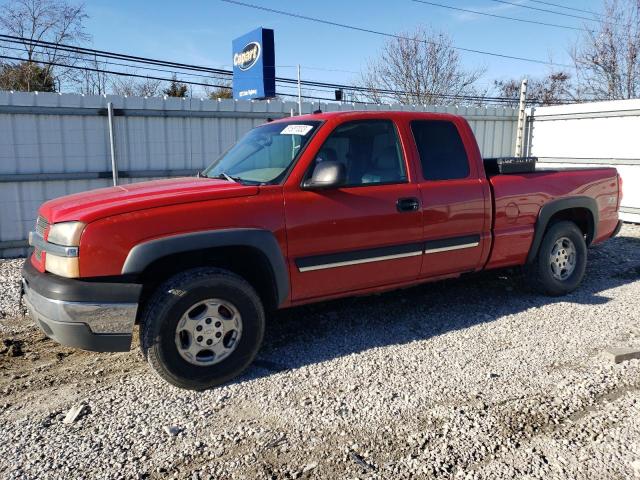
(134, 87)
(93, 80)
(55, 21)
(552, 89)
(419, 68)
(607, 58)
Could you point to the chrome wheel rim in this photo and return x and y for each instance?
(563, 258)
(208, 332)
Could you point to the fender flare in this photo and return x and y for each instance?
(549, 209)
(143, 254)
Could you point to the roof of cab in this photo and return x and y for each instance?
(394, 114)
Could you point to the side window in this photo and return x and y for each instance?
(441, 150)
(370, 151)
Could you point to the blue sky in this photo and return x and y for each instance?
(201, 32)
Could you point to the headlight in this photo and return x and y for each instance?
(66, 233)
(63, 266)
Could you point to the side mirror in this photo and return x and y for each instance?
(327, 174)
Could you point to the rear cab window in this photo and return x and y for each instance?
(441, 150)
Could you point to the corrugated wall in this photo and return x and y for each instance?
(591, 135)
(47, 138)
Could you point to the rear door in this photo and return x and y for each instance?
(364, 234)
(455, 200)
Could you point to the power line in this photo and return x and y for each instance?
(384, 92)
(307, 67)
(219, 72)
(124, 74)
(321, 69)
(290, 83)
(478, 99)
(546, 10)
(495, 15)
(346, 87)
(136, 67)
(565, 7)
(144, 60)
(128, 65)
(107, 54)
(113, 72)
(389, 35)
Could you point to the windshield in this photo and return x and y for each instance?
(264, 154)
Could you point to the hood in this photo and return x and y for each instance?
(94, 204)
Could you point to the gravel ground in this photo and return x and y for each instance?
(10, 289)
(472, 378)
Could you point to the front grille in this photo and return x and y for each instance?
(41, 225)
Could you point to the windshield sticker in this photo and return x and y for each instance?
(296, 130)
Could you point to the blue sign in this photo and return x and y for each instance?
(254, 65)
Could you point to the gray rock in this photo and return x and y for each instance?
(75, 413)
(172, 431)
(310, 466)
(622, 354)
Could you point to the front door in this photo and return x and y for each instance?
(365, 234)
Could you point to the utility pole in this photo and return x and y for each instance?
(522, 118)
(299, 93)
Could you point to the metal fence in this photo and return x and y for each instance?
(57, 144)
(591, 135)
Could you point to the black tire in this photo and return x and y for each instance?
(172, 299)
(540, 273)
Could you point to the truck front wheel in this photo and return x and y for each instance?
(561, 262)
(202, 328)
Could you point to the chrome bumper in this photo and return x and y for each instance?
(105, 327)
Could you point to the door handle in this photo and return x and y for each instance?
(410, 204)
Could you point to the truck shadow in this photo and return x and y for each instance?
(316, 333)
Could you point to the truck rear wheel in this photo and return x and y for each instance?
(561, 262)
(202, 328)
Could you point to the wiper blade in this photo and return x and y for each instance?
(227, 177)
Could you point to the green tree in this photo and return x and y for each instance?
(220, 93)
(26, 77)
(218, 88)
(176, 89)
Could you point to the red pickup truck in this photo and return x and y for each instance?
(300, 210)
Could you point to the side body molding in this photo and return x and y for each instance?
(264, 241)
(548, 210)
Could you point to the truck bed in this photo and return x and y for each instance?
(518, 198)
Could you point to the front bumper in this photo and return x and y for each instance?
(90, 315)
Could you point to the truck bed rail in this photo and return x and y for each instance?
(506, 165)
